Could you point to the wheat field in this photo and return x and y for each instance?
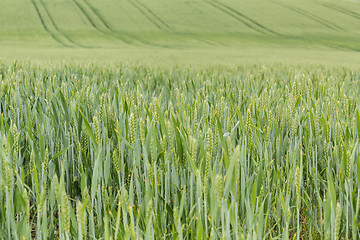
(131, 152)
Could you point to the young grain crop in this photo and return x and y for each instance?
(131, 152)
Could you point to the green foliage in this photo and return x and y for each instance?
(131, 152)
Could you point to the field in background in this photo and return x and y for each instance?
(181, 32)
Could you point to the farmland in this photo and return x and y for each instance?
(203, 119)
(179, 153)
(181, 32)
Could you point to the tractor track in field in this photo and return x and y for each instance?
(47, 28)
(116, 33)
(98, 16)
(103, 27)
(156, 20)
(311, 16)
(145, 14)
(153, 14)
(90, 20)
(252, 21)
(341, 10)
(106, 29)
(233, 16)
(57, 28)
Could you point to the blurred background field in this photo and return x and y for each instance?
(181, 32)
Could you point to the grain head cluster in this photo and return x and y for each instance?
(129, 152)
